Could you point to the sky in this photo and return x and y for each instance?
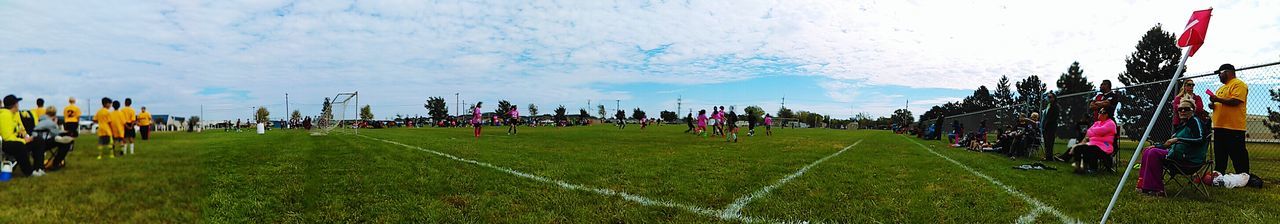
(832, 57)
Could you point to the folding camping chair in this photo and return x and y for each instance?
(1188, 175)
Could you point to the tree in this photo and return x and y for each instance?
(785, 113)
(582, 114)
(1273, 117)
(1073, 109)
(980, 100)
(504, 107)
(668, 116)
(295, 116)
(638, 114)
(437, 108)
(193, 123)
(533, 110)
(752, 112)
(560, 114)
(1155, 58)
(1030, 95)
(262, 115)
(600, 109)
(902, 117)
(326, 113)
(1003, 98)
(366, 113)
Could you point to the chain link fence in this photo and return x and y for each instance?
(1007, 130)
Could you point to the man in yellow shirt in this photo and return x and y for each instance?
(71, 118)
(105, 123)
(1228, 106)
(144, 123)
(130, 121)
(14, 135)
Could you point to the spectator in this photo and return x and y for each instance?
(14, 135)
(1229, 121)
(1097, 147)
(1187, 91)
(1049, 125)
(1185, 149)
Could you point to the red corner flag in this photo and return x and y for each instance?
(1193, 34)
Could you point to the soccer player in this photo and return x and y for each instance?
(38, 111)
(732, 126)
(144, 123)
(514, 119)
(622, 122)
(768, 124)
(71, 118)
(751, 123)
(117, 128)
(105, 123)
(702, 123)
(688, 119)
(475, 118)
(130, 122)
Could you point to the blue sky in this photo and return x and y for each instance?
(831, 57)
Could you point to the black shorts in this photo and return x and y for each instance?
(104, 140)
(129, 132)
(72, 129)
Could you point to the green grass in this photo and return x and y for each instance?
(291, 176)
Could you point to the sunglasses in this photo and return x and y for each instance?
(1184, 109)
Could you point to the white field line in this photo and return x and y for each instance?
(1039, 207)
(733, 211)
(601, 191)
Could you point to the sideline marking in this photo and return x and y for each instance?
(1040, 207)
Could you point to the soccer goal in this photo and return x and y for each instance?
(339, 114)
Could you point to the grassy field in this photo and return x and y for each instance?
(584, 175)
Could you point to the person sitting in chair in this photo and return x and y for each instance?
(1097, 147)
(1186, 150)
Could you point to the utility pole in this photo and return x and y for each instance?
(457, 103)
(679, 105)
(618, 105)
(287, 113)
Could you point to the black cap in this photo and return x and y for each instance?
(11, 100)
(1226, 67)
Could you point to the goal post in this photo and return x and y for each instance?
(340, 114)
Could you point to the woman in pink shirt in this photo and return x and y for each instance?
(475, 118)
(1097, 147)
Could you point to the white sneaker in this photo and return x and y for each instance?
(37, 173)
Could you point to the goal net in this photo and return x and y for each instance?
(338, 114)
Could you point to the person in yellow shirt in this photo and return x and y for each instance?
(105, 123)
(71, 118)
(144, 123)
(130, 121)
(1228, 106)
(39, 110)
(14, 136)
(117, 128)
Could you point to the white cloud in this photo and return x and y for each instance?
(399, 52)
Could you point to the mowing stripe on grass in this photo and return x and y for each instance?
(601, 191)
(734, 210)
(1040, 207)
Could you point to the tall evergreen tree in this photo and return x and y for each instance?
(1074, 109)
(1003, 98)
(980, 100)
(1030, 95)
(1155, 58)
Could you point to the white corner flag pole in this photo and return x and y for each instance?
(1145, 134)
